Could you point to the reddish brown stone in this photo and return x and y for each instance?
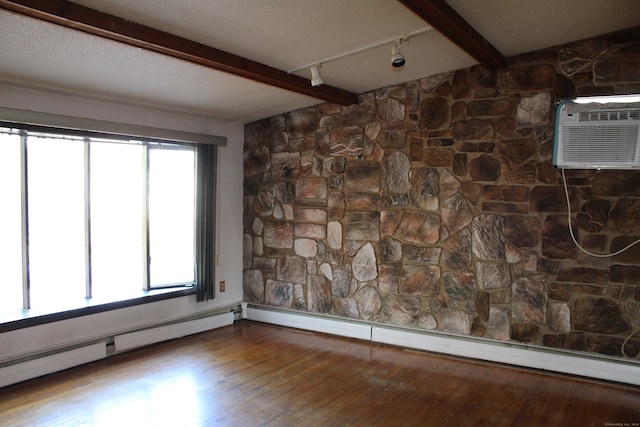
(588, 289)
(319, 294)
(440, 142)
(514, 153)
(478, 328)
(482, 77)
(577, 56)
(393, 139)
(323, 142)
(460, 285)
(613, 346)
(631, 255)
(361, 113)
(472, 130)
(553, 341)
(335, 206)
(362, 176)
(419, 227)
(415, 149)
(285, 165)
(389, 277)
(560, 291)
(529, 78)
(362, 225)
(584, 275)
(522, 231)
(626, 215)
(460, 85)
(347, 141)
(456, 251)
(563, 88)
(552, 199)
(301, 123)
(477, 147)
(420, 279)
(490, 108)
(616, 70)
(593, 215)
(556, 240)
(311, 188)
(458, 111)
(425, 188)
(256, 161)
(484, 168)
(511, 208)
(444, 89)
(482, 305)
(600, 315)
(546, 173)
(509, 193)
(438, 157)
(459, 166)
(264, 202)
(505, 127)
(389, 221)
(625, 274)
(434, 113)
(361, 201)
(472, 191)
(420, 254)
(524, 333)
(316, 203)
(617, 183)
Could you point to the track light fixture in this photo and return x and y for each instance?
(397, 58)
(316, 78)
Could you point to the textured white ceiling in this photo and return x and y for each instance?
(284, 34)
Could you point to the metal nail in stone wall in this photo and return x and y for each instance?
(434, 205)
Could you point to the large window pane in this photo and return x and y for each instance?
(10, 224)
(117, 219)
(56, 220)
(171, 216)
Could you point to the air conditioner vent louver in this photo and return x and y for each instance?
(597, 136)
(596, 116)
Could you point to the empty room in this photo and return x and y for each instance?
(320, 213)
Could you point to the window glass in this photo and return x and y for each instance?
(102, 218)
(10, 223)
(117, 218)
(171, 216)
(56, 220)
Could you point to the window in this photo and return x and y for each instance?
(100, 218)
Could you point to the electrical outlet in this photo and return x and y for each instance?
(223, 286)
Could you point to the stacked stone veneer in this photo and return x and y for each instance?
(434, 205)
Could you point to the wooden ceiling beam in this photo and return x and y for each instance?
(111, 27)
(445, 19)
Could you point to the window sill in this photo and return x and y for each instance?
(11, 321)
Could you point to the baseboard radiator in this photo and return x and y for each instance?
(515, 354)
(53, 361)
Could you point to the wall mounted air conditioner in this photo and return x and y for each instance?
(598, 133)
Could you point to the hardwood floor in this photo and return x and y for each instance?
(251, 374)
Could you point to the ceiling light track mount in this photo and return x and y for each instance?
(315, 66)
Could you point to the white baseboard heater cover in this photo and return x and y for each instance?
(53, 363)
(44, 364)
(167, 332)
(507, 353)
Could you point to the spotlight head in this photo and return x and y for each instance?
(316, 78)
(397, 59)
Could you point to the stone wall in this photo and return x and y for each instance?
(434, 204)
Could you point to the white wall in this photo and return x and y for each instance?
(229, 224)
